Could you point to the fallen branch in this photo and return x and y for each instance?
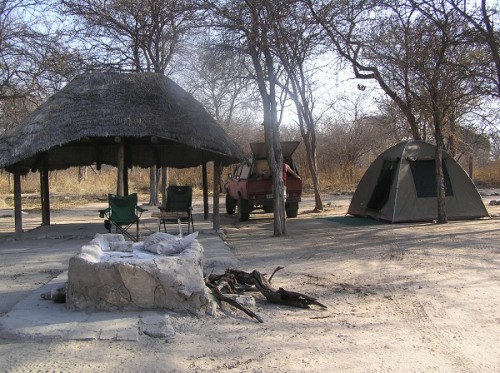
(228, 283)
(282, 296)
(232, 302)
(236, 281)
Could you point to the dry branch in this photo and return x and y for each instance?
(236, 281)
(222, 298)
(282, 296)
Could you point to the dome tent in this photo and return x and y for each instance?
(400, 186)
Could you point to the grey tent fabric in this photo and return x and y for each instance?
(400, 186)
(86, 121)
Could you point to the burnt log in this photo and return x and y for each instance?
(222, 298)
(236, 281)
(226, 283)
(282, 296)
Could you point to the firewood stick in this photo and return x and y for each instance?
(232, 302)
(276, 270)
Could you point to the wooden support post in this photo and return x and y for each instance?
(18, 208)
(216, 210)
(164, 184)
(121, 168)
(44, 191)
(125, 180)
(205, 191)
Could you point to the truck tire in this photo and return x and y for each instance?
(292, 209)
(243, 209)
(230, 204)
(268, 207)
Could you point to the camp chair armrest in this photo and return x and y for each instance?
(139, 211)
(103, 213)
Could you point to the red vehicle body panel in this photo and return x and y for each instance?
(252, 182)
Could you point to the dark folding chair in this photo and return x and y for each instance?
(179, 207)
(122, 213)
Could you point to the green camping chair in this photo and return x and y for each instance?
(122, 213)
(179, 207)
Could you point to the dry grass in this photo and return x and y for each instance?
(488, 176)
(67, 190)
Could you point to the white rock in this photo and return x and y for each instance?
(138, 280)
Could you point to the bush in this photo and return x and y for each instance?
(65, 186)
(488, 176)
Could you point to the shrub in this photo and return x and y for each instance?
(66, 187)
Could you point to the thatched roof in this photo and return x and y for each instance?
(82, 124)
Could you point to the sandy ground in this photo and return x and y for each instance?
(401, 298)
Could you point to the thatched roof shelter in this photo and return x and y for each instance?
(85, 122)
(118, 119)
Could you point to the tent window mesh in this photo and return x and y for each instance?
(424, 178)
(382, 189)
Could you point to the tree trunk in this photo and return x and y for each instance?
(82, 173)
(263, 63)
(313, 170)
(441, 193)
(275, 160)
(471, 166)
(441, 196)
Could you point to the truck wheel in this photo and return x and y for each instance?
(230, 204)
(243, 209)
(292, 209)
(268, 207)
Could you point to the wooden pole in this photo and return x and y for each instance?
(44, 190)
(205, 191)
(216, 210)
(125, 180)
(164, 183)
(120, 189)
(18, 204)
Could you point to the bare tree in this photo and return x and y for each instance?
(363, 33)
(247, 26)
(34, 61)
(137, 35)
(355, 134)
(221, 81)
(297, 40)
(419, 54)
(449, 82)
(495, 145)
(394, 120)
(484, 20)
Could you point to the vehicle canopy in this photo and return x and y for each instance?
(287, 149)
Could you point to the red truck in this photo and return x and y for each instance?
(250, 186)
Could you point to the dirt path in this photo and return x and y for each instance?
(406, 297)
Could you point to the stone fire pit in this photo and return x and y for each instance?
(163, 272)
